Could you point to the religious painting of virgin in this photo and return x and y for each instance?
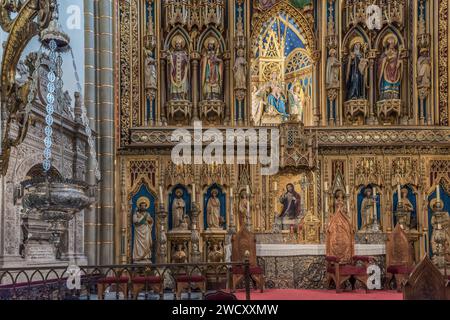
(143, 220)
(214, 204)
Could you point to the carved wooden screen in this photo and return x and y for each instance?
(425, 283)
(340, 240)
(244, 241)
(398, 249)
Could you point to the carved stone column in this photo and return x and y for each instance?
(161, 234)
(316, 81)
(371, 120)
(162, 96)
(228, 96)
(195, 236)
(195, 57)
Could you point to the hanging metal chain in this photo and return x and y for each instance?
(85, 120)
(50, 108)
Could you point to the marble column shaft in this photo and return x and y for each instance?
(90, 217)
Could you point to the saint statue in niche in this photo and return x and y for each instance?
(240, 70)
(424, 69)
(333, 67)
(258, 104)
(243, 209)
(179, 256)
(212, 71)
(215, 254)
(143, 226)
(406, 205)
(367, 209)
(356, 71)
(291, 202)
(150, 70)
(276, 99)
(213, 210)
(178, 63)
(296, 102)
(178, 209)
(390, 69)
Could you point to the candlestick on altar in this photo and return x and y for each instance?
(193, 192)
(161, 197)
(375, 203)
(348, 202)
(231, 208)
(438, 193)
(399, 194)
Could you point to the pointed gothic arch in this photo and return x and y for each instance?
(285, 7)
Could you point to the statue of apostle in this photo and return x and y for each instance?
(240, 70)
(243, 209)
(178, 209)
(390, 69)
(291, 201)
(424, 69)
(213, 210)
(178, 67)
(296, 101)
(333, 67)
(367, 209)
(212, 71)
(356, 72)
(151, 81)
(406, 205)
(143, 226)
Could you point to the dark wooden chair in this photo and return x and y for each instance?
(426, 282)
(399, 258)
(120, 282)
(447, 286)
(220, 296)
(140, 283)
(342, 264)
(186, 281)
(242, 242)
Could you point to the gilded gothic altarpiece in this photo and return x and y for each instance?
(361, 109)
